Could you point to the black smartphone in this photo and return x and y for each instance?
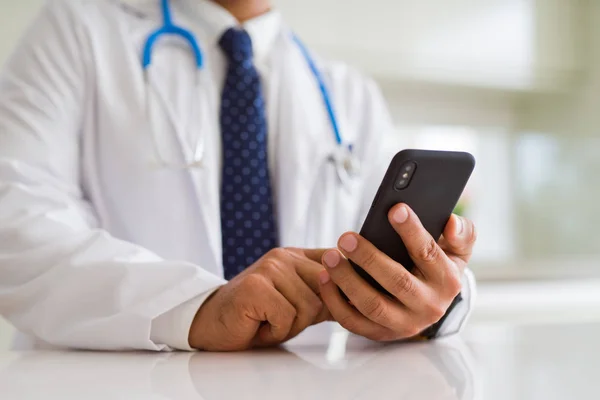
(430, 183)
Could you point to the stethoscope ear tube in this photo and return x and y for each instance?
(169, 28)
(346, 164)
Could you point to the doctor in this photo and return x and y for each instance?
(168, 170)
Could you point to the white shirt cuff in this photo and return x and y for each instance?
(173, 327)
(459, 316)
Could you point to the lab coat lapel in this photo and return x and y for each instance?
(303, 143)
(172, 78)
(205, 181)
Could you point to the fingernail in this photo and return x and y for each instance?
(400, 215)
(458, 229)
(324, 277)
(348, 243)
(332, 258)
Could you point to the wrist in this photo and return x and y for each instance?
(198, 332)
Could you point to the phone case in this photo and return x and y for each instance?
(437, 182)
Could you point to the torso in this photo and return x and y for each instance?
(172, 211)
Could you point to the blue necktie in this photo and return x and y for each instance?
(247, 218)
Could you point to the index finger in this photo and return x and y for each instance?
(422, 247)
(315, 255)
(280, 315)
(306, 267)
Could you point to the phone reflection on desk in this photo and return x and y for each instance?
(440, 371)
(435, 370)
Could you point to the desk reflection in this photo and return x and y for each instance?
(439, 370)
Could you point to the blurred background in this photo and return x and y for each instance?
(516, 83)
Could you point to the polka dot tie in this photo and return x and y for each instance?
(247, 219)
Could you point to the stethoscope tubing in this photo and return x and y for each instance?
(344, 162)
(324, 92)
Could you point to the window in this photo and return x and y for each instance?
(557, 192)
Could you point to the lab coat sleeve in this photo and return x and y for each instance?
(172, 328)
(377, 123)
(63, 280)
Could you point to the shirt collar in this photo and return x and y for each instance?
(215, 20)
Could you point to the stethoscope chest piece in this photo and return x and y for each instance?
(346, 164)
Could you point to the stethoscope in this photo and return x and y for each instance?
(347, 166)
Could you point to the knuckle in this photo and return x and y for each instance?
(375, 308)
(316, 306)
(411, 331)
(288, 311)
(311, 307)
(429, 252)
(473, 235)
(381, 336)
(252, 282)
(277, 253)
(402, 283)
(283, 313)
(465, 244)
(270, 267)
(369, 260)
(454, 284)
(347, 285)
(434, 312)
(348, 322)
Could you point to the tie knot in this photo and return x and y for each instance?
(237, 45)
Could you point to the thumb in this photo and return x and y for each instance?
(459, 237)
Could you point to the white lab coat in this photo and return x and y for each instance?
(96, 241)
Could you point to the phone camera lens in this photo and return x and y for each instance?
(406, 174)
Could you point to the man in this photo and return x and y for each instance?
(104, 248)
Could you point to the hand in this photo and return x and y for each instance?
(421, 298)
(269, 303)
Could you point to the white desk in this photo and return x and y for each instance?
(487, 362)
